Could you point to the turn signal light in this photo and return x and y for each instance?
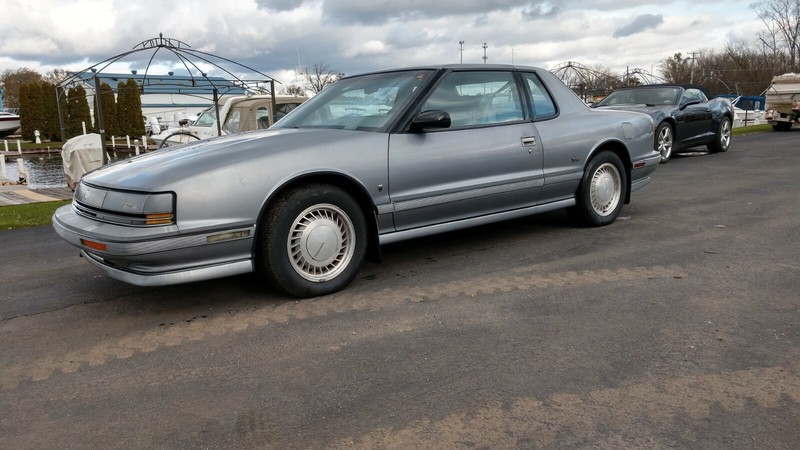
(94, 245)
(158, 219)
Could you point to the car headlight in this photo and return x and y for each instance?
(122, 207)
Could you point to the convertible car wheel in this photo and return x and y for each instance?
(664, 141)
(312, 241)
(602, 191)
(722, 140)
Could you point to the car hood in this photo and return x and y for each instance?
(153, 171)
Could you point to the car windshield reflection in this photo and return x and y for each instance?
(367, 103)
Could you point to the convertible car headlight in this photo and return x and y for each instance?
(123, 207)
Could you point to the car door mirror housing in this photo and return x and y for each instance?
(690, 103)
(431, 119)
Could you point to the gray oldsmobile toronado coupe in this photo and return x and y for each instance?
(372, 159)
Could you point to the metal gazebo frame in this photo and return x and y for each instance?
(189, 57)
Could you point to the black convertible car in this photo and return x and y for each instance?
(683, 115)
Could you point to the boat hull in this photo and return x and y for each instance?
(9, 124)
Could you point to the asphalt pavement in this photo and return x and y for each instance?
(678, 326)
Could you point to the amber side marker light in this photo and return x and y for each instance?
(158, 219)
(94, 245)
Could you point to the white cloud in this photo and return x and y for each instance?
(351, 36)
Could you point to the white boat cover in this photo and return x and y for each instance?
(81, 154)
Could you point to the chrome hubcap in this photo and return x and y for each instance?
(605, 189)
(321, 242)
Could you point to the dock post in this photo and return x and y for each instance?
(3, 172)
(19, 147)
(23, 174)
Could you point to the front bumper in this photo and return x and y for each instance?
(641, 170)
(157, 256)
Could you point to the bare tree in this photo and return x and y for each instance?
(320, 76)
(294, 90)
(782, 21)
(676, 69)
(55, 76)
(12, 80)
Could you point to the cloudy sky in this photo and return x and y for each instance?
(352, 36)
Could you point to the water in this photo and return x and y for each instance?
(45, 170)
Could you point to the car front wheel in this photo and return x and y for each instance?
(602, 191)
(312, 241)
(722, 140)
(664, 141)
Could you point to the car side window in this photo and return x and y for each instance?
(474, 98)
(693, 94)
(540, 100)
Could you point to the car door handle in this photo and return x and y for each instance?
(529, 141)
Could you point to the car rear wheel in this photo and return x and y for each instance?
(664, 141)
(602, 191)
(312, 241)
(722, 140)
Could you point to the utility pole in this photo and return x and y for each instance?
(461, 50)
(691, 68)
(484, 52)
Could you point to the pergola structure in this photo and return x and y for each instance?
(586, 81)
(195, 81)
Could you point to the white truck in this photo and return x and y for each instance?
(239, 114)
(783, 101)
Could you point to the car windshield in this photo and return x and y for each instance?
(367, 102)
(643, 96)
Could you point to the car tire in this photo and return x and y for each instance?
(722, 139)
(602, 191)
(782, 126)
(665, 141)
(312, 241)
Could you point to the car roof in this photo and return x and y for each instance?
(666, 85)
(450, 67)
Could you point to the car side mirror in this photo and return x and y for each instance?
(690, 103)
(431, 119)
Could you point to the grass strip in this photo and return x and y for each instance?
(29, 215)
(752, 129)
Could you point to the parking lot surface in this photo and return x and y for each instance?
(676, 326)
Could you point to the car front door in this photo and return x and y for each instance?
(694, 120)
(488, 160)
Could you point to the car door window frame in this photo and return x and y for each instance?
(549, 109)
(472, 110)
